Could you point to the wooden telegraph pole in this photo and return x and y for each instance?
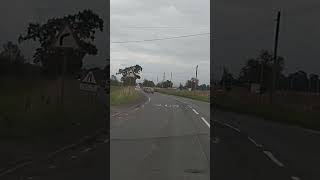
(275, 59)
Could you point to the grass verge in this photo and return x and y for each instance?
(120, 95)
(277, 113)
(196, 95)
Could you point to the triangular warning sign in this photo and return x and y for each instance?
(89, 78)
(66, 39)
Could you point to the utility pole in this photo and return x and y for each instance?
(171, 79)
(275, 60)
(195, 83)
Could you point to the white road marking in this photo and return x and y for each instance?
(275, 160)
(136, 109)
(149, 99)
(216, 140)
(52, 167)
(254, 142)
(86, 150)
(234, 128)
(295, 178)
(15, 168)
(204, 120)
(195, 111)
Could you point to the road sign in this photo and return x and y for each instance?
(66, 39)
(89, 83)
(89, 78)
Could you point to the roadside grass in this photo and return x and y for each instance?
(120, 95)
(276, 112)
(31, 108)
(196, 95)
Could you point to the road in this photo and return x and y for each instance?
(162, 139)
(168, 137)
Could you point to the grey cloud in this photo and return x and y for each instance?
(179, 56)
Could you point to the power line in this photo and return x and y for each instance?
(159, 39)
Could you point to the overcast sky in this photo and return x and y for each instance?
(144, 19)
(16, 14)
(243, 27)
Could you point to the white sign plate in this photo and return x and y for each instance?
(66, 39)
(88, 87)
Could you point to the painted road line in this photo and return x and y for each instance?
(275, 160)
(204, 120)
(195, 111)
(86, 150)
(295, 178)
(254, 142)
(136, 109)
(15, 168)
(234, 128)
(52, 167)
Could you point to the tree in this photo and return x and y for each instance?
(180, 86)
(147, 83)
(166, 84)
(299, 81)
(84, 25)
(114, 81)
(188, 84)
(11, 59)
(130, 75)
(203, 87)
(227, 79)
(314, 82)
(259, 69)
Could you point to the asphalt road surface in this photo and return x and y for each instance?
(162, 139)
(168, 137)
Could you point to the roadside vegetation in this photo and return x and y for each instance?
(296, 97)
(31, 107)
(123, 92)
(283, 113)
(121, 95)
(196, 95)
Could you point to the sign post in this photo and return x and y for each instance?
(65, 41)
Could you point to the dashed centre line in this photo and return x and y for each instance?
(275, 160)
(234, 128)
(195, 111)
(295, 178)
(205, 121)
(254, 142)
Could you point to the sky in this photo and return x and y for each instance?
(134, 20)
(242, 28)
(16, 14)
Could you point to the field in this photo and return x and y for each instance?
(120, 95)
(289, 107)
(197, 95)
